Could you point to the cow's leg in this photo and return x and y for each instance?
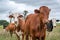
(27, 37)
(39, 38)
(43, 38)
(22, 36)
(11, 33)
(18, 37)
(33, 38)
(30, 38)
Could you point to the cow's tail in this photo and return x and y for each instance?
(11, 33)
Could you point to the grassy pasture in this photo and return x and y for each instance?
(54, 35)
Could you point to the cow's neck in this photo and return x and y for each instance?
(42, 25)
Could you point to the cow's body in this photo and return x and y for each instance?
(35, 24)
(34, 27)
(11, 28)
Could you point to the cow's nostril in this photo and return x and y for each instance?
(15, 21)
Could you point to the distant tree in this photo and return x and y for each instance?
(25, 13)
(4, 23)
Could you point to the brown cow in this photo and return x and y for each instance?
(21, 26)
(18, 25)
(11, 28)
(35, 24)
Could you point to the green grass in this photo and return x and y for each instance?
(6, 36)
(1, 27)
(54, 35)
(58, 24)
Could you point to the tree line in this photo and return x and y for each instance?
(4, 23)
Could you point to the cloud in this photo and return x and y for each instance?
(53, 4)
(37, 2)
(4, 17)
(7, 6)
(30, 5)
(11, 5)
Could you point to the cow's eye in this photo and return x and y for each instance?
(20, 16)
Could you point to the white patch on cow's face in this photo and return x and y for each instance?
(54, 21)
(16, 18)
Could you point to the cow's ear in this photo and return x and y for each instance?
(36, 11)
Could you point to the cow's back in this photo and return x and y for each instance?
(11, 27)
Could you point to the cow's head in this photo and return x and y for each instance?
(16, 16)
(44, 11)
(50, 26)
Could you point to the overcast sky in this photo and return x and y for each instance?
(20, 5)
